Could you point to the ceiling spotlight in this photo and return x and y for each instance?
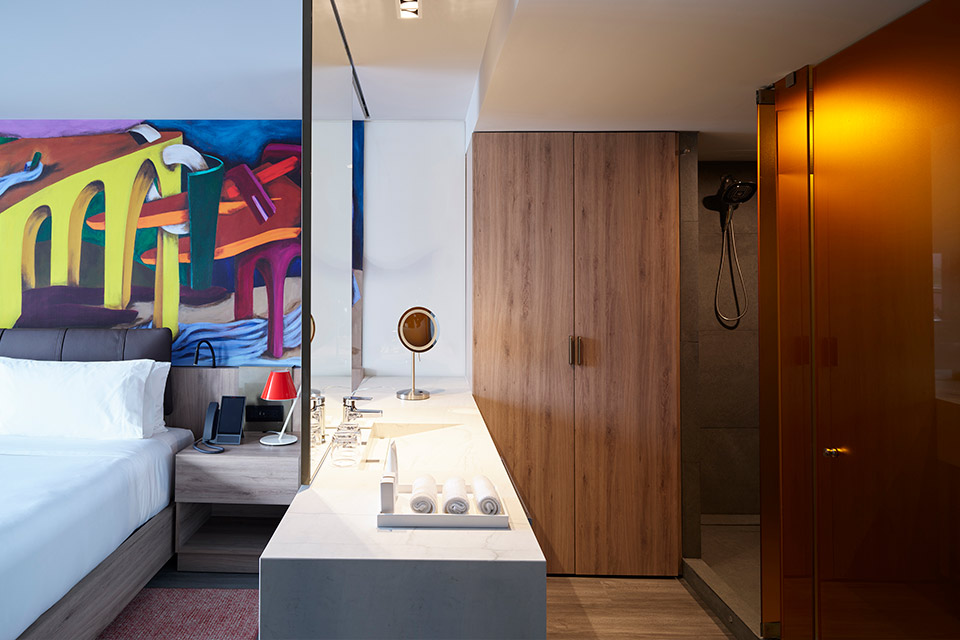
(408, 9)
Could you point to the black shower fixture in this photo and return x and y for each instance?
(731, 194)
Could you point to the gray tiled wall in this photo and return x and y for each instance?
(719, 380)
(728, 377)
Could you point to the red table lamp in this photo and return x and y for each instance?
(280, 387)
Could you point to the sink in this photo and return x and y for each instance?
(381, 432)
(398, 429)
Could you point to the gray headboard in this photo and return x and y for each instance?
(90, 345)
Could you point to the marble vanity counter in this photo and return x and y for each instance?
(329, 571)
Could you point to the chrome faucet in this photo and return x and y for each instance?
(318, 420)
(351, 412)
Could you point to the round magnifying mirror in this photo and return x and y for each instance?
(418, 333)
(418, 329)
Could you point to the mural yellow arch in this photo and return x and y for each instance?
(166, 284)
(67, 238)
(124, 194)
(123, 198)
(28, 262)
(125, 183)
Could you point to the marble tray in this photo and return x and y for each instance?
(404, 517)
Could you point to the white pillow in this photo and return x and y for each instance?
(92, 400)
(153, 399)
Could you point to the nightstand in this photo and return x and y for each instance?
(229, 504)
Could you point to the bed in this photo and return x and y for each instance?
(84, 524)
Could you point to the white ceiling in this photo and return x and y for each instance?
(332, 80)
(600, 64)
(417, 69)
(664, 65)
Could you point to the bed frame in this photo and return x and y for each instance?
(95, 601)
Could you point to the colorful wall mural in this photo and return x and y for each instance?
(188, 224)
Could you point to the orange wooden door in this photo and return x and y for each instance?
(523, 317)
(873, 266)
(795, 483)
(627, 315)
(882, 178)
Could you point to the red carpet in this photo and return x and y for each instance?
(187, 614)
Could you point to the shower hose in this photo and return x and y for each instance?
(728, 245)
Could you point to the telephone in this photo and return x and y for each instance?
(222, 425)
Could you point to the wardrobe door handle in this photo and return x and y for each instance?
(579, 350)
(570, 350)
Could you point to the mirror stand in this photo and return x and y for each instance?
(413, 393)
(418, 333)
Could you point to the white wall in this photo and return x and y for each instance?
(414, 251)
(331, 279)
(173, 59)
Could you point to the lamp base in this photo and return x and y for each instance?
(278, 439)
(413, 394)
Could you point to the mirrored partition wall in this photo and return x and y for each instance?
(331, 284)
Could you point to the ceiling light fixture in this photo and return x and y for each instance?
(408, 9)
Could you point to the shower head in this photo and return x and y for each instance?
(731, 194)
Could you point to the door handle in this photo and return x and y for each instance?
(570, 350)
(832, 452)
(829, 352)
(579, 350)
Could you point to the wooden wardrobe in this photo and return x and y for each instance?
(576, 339)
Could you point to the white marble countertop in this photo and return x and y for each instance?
(336, 516)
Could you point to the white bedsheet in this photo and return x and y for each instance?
(65, 505)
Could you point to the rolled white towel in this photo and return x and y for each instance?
(488, 501)
(424, 497)
(455, 496)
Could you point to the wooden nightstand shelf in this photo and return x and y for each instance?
(229, 504)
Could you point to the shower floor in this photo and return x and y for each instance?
(730, 546)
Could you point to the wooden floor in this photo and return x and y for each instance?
(627, 608)
(578, 608)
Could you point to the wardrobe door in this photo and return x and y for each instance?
(626, 229)
(522, 319)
